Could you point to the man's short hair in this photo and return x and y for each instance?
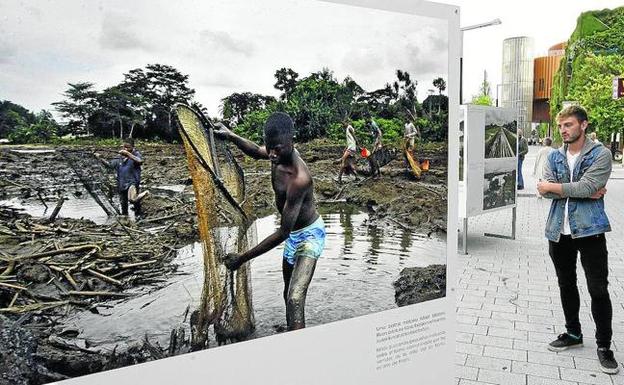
(577, 111)
(129, 141)
(279, 124)
(547, 141)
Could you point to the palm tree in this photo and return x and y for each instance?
(440, 84)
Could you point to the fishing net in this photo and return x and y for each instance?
(383, 156)
(218, 183)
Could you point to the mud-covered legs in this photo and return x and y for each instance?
(297, 278)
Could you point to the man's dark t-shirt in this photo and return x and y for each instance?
(128, 171)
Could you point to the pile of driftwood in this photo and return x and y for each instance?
(46, 265)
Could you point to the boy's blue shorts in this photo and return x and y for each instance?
(308, 241)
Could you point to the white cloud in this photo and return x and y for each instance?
(221, 42)
(119, 32)
(224, 46)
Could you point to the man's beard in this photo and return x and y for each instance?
(572, 139)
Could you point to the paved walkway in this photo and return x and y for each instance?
(508, 305)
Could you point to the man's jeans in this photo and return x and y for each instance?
(124, 199)
(520, 178)
(593, 250)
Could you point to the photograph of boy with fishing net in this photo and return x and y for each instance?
(292, 184)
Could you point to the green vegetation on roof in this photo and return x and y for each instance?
(594, 56)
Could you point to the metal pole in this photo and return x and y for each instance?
(465, 235)
(513, 223)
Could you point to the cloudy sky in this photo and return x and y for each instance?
(236, 45)
(224, 46)
(548, 22)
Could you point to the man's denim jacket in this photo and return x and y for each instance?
(591, 172)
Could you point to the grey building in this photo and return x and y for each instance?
(517, 77)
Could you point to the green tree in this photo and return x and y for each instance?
(484, 98)
(235, 107)
(13, 115)
(440, 84)
(153, 92)
(405, 89)
(286, 80)
(41, 130)
(591, 86)
(118, 112)
(594, 55)
(79, 105)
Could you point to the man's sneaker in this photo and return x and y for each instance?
(565, 341)
(608, 364)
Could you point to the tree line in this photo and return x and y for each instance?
(320, 102)
(140, 106)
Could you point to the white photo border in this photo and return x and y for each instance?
(340, 352)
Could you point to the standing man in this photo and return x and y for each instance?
(376, 133)
(301, 226)
(540, 160)
(128, 169)
(408, 136)
(348, 157)
(593, 138)
(523, 149)
(377, 145)
(575, 179)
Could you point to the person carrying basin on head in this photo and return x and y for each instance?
(128, 168)
(301, 227)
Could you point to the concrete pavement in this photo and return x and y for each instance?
(508, 305)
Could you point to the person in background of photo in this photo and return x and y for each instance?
(348, 157)
(523, 149)
(575, 179)
(128, 169)
(593, 138)
(377, 135)
(540, 160)
(301, 226)
(409, 135)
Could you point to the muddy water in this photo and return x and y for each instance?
(353, 277)
(74, 207)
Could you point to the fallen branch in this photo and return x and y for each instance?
(339, 192)
(15, 183)
(71, 280)
(98, 293)
(14, 299)
(104, 277)
(399, 223)
(59, 251)
(138, 264)
(2, 284)
(56, 210)
(160, 218)
(33, 307)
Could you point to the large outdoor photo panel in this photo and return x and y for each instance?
(489, 159)
(379, 306)
(501, 158)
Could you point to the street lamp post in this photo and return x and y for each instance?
(498, 85)
(496, 21)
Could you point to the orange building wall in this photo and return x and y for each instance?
(544, 69)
